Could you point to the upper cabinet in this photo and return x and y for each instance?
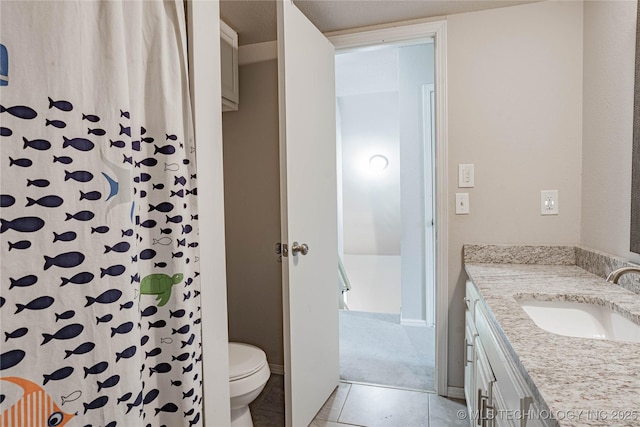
(229, 67)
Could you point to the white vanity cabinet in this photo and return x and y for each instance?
(229, 67)
(496, 392)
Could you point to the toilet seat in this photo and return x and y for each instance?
(244, 360)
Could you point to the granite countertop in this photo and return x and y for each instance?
(583, 382)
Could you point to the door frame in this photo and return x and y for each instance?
(437, 30)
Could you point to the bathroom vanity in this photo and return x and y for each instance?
(519, 374)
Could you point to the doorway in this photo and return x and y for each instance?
(385, 135)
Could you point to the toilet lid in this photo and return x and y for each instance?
(244, 360)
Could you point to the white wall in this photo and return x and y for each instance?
(375, 281)
(252, 211)
(515, 111)
(609, 58)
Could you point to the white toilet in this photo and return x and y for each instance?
(248, 374)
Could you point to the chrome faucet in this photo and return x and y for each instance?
(615, 275)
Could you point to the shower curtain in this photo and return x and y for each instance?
(99, 286)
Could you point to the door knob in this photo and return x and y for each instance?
(299, 248)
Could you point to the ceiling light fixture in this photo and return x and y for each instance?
(378, 162)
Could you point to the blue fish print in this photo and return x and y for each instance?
(109, 382)
(151, 396)
(22, 244)
(135, 145)
(2, 301)
(80, 216)
(18, 333)
(5, 131)
(122, 329)
(36, 144)
(114, 270)
(158, 186)
(143, 177)
(91, 195)
(62, 159)
(179, 180)
(80, 176)
(150, 161)
(6, 200)
(107, 297)
(80, 144)
(148, 140)
(147, 254)
(96, 369)
(162, 207)
(181, 358)
(169, 407)
(127, 305)
(194, 192)
(135, 403)
(65, 333)
(56, 123)
(118, 247)
(165, 231)
(98, 132)
(60, 105)
(177, 313)
(90, 117)
(23, 163)
(175, 219)
(39, 303)
(11, 358)
(20, 111)
(118, 144)
(159, 264)
(124, 114)
(38, 183)
(158, 324)
(64, 260)
(152, 353)
(150, 223)
(64, 237)
(125, 131)
(128, 232)
(23, 282)
(171, 137)
(161, 368)
(101, 230)
(60, 374)
(96, 403)
(124, 397)
(78, 279)
(149, 311)
(126, 159)
(66, 315)
(81, 349)
(179, 193)
(26, 224)
(167, 149)
(104, 319)
(51, 201)
(126, 353)
(183, 330)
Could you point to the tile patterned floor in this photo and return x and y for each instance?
(366, 406)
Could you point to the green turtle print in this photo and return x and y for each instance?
(159, 284)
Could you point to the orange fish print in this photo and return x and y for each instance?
(34, 409)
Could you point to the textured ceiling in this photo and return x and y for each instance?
(255, 20)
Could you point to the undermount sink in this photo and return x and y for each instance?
(583, 320)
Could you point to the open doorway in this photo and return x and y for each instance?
(385, 134)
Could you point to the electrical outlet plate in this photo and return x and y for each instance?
(549, 202)
(466, 176)
(462, 203)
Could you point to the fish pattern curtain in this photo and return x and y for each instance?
(99, 286)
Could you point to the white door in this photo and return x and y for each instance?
(309, 213)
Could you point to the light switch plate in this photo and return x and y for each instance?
(462, 203)
(549, 202)
(466, 176)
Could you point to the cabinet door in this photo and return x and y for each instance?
(470, 335)
(484, 380)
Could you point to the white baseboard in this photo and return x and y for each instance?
(413, 322)
(455, 393)
(276, 369)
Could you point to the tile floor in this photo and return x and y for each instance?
(354, 404)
